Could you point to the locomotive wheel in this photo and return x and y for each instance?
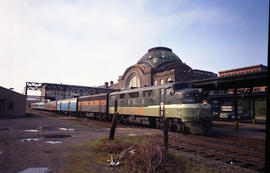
(185, 129)
(121, 119)
(159, 123)
(173, 127)
(152, 122)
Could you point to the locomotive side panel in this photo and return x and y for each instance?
(179, 102)
(140, 103)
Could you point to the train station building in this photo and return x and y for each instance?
(158, 66)
(245, 70)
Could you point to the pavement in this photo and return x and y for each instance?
(39, 141)
(247, 130)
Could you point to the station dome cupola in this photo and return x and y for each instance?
(159, 55)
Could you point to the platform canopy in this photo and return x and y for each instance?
(248, 80)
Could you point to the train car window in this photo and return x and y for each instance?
(112, 97)
(134, 94)
(122, 96)
(148, 93)
(145, 93)
(152, 93)
(151, 101)
(142, 101)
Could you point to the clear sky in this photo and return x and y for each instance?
(85, 42)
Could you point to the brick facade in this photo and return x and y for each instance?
(242, 70)
(158, 66)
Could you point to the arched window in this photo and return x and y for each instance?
(169, 79)
(134, 82)
(155, 82)
(161, 81)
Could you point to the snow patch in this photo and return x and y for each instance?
(54, 142)
(30, 140)
(31, 130)
(66, 129)
(35, 170)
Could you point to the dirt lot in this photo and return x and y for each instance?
(26, 141)
(47, 141)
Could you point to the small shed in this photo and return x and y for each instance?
(11, 103)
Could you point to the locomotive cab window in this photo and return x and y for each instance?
(192, 97)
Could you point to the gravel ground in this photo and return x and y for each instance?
(39, 140)
(35, 140)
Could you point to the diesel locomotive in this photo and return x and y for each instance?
(182, 105)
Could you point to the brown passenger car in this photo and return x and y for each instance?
(94, 105)
(50, 106)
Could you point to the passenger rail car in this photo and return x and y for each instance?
(182, 105)
(67, 105)
(38, 106)
(94, 105)
(50, 106)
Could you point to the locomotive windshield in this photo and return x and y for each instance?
(179, 86)
(190, 96)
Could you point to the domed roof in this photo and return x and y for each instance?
(159, 55)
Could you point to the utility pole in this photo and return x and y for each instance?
(236, 110)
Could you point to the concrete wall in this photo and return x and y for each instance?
(11, 103)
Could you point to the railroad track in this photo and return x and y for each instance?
(221, 149)
(227, 140)
(253, 160)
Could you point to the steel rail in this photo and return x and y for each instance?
(227, 148)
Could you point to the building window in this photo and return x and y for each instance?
(155, 82)
(10, 105)
(134, 82)
(162, 54)
(169, 79)
(161, 81)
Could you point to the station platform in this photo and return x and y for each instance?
(246, 130)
